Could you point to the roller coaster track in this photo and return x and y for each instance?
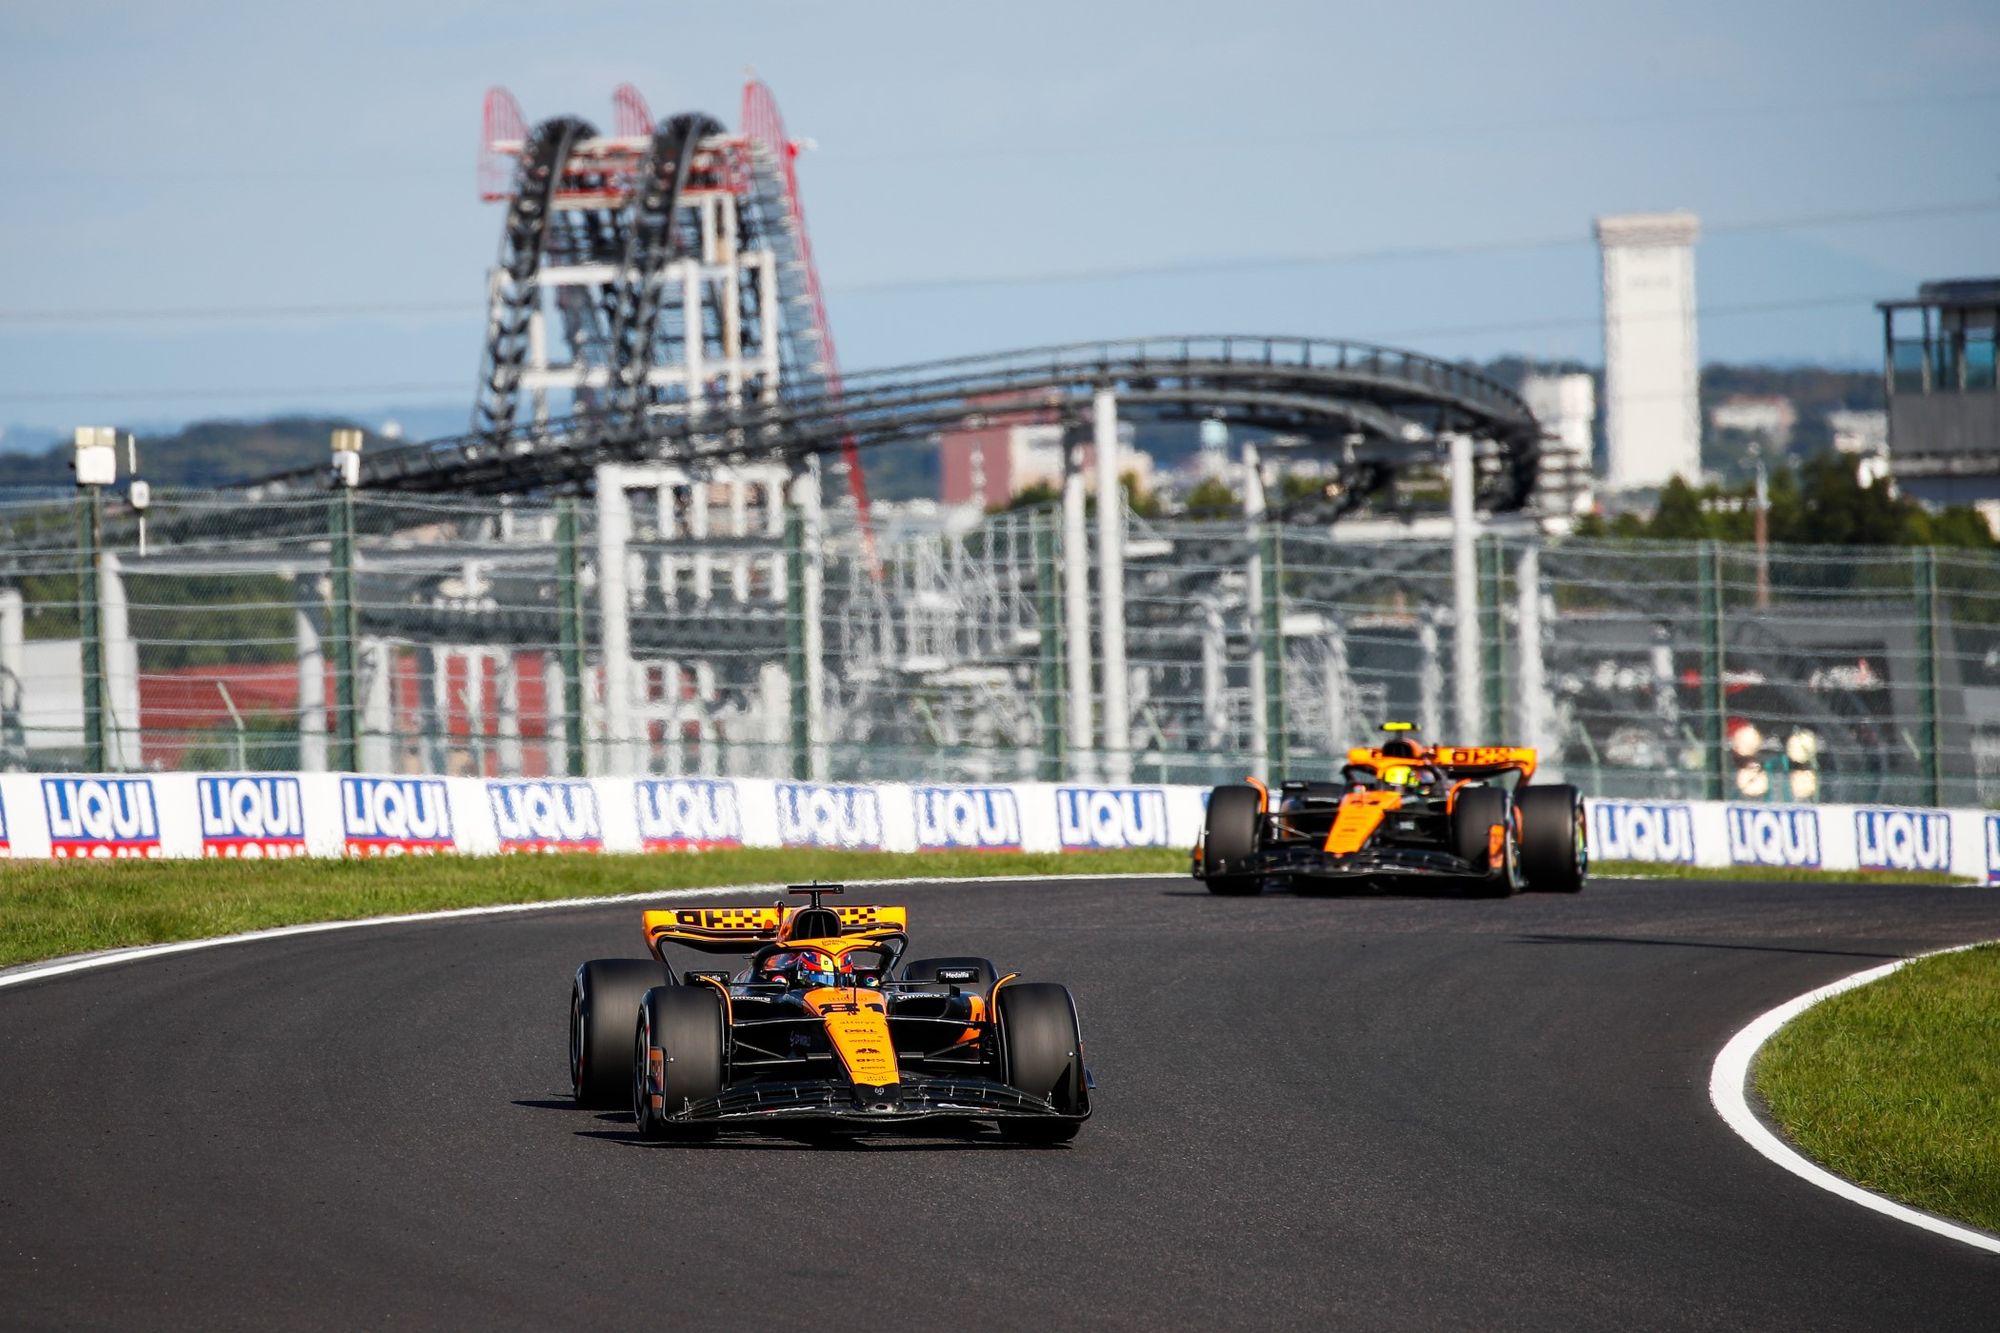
(521, 248)
(650, 245)
(1372, 410)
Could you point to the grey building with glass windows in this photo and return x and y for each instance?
(1944, 408)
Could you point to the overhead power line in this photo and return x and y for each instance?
(1329, 258)
(961, 282)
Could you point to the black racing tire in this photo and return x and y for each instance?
(984, 974)
(686, 1026)
(1041, 1053)
(1555, 851)
(1477, 810)
(603, 1005)
(1229, 843)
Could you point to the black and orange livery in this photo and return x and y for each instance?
(1399, 812)
(826, 1023)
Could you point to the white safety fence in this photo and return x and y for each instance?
(276, 815)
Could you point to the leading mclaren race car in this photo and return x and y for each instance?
(1400, 813)
(825, 1024)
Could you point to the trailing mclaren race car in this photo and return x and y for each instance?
(1400, 813)
(825, 1024)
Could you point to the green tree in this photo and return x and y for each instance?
(1213, 499)
(1679, 515)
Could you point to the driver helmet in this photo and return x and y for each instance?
(818, 968)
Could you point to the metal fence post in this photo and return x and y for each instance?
(90, 535)
(1049, 653)
(1273, 591)
(1714, 702)
(795, 642)
(1928, 674)
(569, 633)
(1492, 641)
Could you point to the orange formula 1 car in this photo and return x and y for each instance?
(827, 1024)
(1400, 813)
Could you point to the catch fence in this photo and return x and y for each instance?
(693, 626)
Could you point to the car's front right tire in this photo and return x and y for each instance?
(679, 1047)
(1229, 840)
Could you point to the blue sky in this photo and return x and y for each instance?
(242, 157)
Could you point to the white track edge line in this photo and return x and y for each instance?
(1729, 1080)
(139, 952)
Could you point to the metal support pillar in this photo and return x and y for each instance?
(1465, 655)
(1076, 613)
(13, 670)
(1261, 755)
(614, 612)
(1049, 651)
(570, 634)
(379, 741)
(1531, 719)
(121, 667)
(1276, 743)
(507, 711)
(812, 630)
(342, 626)
(90, 625)
(308, 610)
(1929, 673)
(1492, 639)
(1714, 702)
(800, 766)
(1111, 589)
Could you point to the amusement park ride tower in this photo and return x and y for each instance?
(663, 269)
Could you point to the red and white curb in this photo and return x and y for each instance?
(1728, 1088)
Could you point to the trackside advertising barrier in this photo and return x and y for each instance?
(277, 815)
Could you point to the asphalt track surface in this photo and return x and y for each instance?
(1361, 1112)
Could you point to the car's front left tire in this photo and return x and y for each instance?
(1555, 852)
(1041, 1054)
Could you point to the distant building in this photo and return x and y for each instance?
(1944, 406)
(990, 462)
(1566, 405)
(1864, 434)
(1768, 420)
(1652, 404)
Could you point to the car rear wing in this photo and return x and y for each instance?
(746, 929)
(1460, 761)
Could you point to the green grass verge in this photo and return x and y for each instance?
(1896, 1084)
(49, 908)
(1746, 874)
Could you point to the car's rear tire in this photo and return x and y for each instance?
(684, 1027)
(603, 1005)
(984, 974)
(1555, 852)
(1477, 810)
(1229, 844)
(1041, 1053)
